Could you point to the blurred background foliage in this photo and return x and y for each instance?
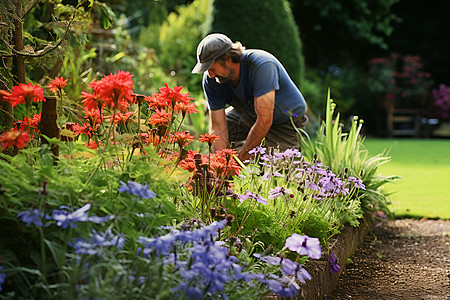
(323, 44)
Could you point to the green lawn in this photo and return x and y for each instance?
(424, 168)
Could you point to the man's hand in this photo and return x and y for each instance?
(264, 106)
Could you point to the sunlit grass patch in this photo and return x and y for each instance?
(424, 168)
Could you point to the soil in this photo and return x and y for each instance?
(401, 259)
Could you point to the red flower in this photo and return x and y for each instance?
(189, 163)
(91, 101)
(115, 90)
(186, 108)
(93, 115)
(14, 138)
(208, 138)
(183, 138)
(160, 117)
(223, 163)
(92, 144)
(122, 118)
(171, 96)
(156, 102)
(86, 129)
(26, 93)
(4, 95)
(57, 84)
(228, 152)
(32, 122)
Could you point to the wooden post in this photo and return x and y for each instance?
(48, 125)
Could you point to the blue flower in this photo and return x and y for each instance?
(273, 260)
(65, 219)
(136, 189)
(304, 245)
(32, 216)
(334, 260)
(2, 278)
(97, 242)
(164, 244)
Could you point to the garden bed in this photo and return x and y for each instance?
(131, 208)
(344, 245)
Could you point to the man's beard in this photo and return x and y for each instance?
(222, 80)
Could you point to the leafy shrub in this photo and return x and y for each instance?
(178, 40)
(401, 80)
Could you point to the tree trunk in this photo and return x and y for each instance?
(19, 61)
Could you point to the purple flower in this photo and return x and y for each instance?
(250, 195)
(136, 189)
(257, 150)
(290, 267)
(357, 182)
(290, 153)
(304, 245)
(32, 216)
(2, 278)
(334, 260)
(278, 285)
(302, 274)
(277, 192)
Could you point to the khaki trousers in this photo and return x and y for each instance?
(281, 136)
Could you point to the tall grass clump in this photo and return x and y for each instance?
(341, 151)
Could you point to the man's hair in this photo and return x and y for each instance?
(235, 53)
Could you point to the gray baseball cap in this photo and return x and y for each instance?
(209, 49)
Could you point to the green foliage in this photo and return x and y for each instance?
(142, 61)
(348, 85)
(179, 37)
(263, 24)
(33, 181)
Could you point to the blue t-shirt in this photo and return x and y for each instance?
(260, 73)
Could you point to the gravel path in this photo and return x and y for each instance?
(405, 259)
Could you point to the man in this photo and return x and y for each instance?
(261, 95)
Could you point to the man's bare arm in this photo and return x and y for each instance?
(218, 126)
(264, 117)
